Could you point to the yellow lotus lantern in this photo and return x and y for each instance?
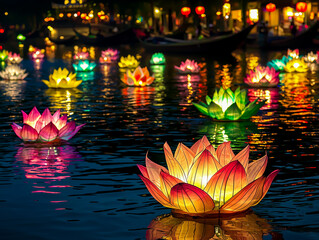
(128, 62)
(61, 78)
(296, 65)
(203, 181)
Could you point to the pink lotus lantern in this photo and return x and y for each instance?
(14, 58)
(262, 77)
(37, 54)
(109, 55)
(293, 53)
(45, 127)
(81, 56)
(188, 67)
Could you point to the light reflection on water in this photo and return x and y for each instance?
(123, 123)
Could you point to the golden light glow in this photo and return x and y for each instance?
(253, 15)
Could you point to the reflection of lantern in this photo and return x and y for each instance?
(185, 11)
(301, 6)
(270, 7)
(200, 10)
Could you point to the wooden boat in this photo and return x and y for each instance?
(122, 37)
(303, 39)
(221, 44)
(66, 41)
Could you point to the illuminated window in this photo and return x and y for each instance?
(253, 15)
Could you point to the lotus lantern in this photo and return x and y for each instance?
(128, 62)
(61, 78)
(157, 59)
(81, 56)
(109, 55)
(188, 67)
(3, 55)
(312, 61)
(13, 72)
(227, 105)
(37, 54)
(45, 127)
(140, 77)
(14, 58)
(84, 66)
(293, 53)
(262, 77)
(202, 180)
(296, 65)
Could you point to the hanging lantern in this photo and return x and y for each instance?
(301, 6)
(200, 10)
(185, 11)
(270, 7)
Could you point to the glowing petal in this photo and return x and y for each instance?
(28, 133)
(256, 169)
(143, 170)
(156, 193)
(228, 181)
(60, 123)
(224, 153)
(191, 199)
(17, 129)
(200, 145)
(246, 198)
(167, 182)
(184, 156)
(174, 167)
(243, 157)
(154, 171)
(49, 132)
(77, 128)
(204, 167)
(67, 130)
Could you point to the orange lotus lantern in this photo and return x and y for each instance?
(270, 7)
(185, 11)
(203, 181)
(301, 6)
(200, 10)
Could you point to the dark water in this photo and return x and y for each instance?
(89, 188)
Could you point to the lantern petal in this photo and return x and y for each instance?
(191, 199)
(268, 182)
(174, 167)
(224, 153)
(67, 130)
(56, 116)
(243, 157)
(77, 128)
(184, 156)
(167, 182)
(256, 169)
(49, 133)
(156, 193)
(143, 170)
(204, 167)
(46, 117)
(61, 122)
(28, 133)
(154, 171)
(17, 129)
(246, 198)
(228, 181)
(200, 145)
(201, 108)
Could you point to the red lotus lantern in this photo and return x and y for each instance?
(185, 11)
(200, 10)
(301, 6)
(270, 7)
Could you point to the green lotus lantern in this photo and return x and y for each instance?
(21, 37)
(84, 66)
(4, 55)
(227, 105)
(158, 58)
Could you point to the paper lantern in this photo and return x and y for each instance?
(45, 127)
(84, 66)
(201, 180)
(158, 58)
(200, 10)
(128, 62)
(227, 105)
(279, 64)
(301, 6)
(109, 55)
(140, 77)
(187, 67)
(14, 58)
(13, 72)
(270, 7)
(185, 11)
(262, 77)
(61, 78)
(296, 65)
